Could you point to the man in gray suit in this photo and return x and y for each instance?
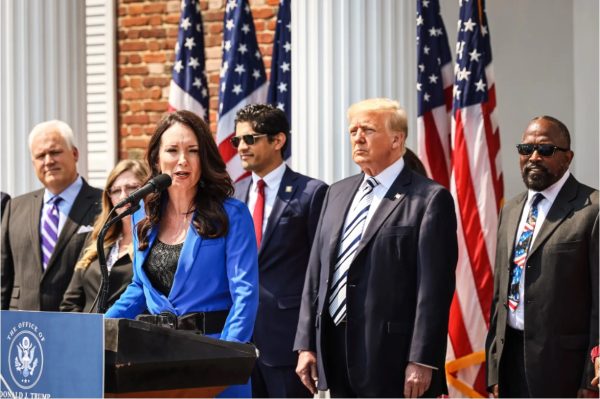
(43, 231)
(374, 314)
(544, 315)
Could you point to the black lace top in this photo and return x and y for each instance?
(161, 264)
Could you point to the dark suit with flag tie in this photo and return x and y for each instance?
(282, 261)
(561, 295)
(399, 287)
(25, 285)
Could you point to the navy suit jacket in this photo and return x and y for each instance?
(400, 285)
(282, 259)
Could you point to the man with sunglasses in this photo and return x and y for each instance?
(544, 315)
(285, 206)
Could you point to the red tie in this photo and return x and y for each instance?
(259, 211)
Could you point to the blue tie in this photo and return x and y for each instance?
(49, 230)
(353, 230)
(520, 253)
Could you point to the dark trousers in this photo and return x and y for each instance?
(512, 380)
(336, 361)
(277, 382)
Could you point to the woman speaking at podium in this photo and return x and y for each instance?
(194, 246)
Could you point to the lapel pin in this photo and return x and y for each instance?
(397, 196)
(288, 189)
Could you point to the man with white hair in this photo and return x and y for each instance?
(374, 315)
(43, 231)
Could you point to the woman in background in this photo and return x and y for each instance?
(126, 177)
(195, 260)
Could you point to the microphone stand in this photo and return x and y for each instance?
(103, 294)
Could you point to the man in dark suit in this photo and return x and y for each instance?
(544, 315)
(43, 231)
(4, 198)
(375, 305)
(286, 214)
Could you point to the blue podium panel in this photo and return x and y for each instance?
(51, 354)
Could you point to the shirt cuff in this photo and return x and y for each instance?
(426, 365)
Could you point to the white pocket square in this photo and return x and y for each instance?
(84, 229)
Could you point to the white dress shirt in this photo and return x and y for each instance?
(272, 183)
(516, 319)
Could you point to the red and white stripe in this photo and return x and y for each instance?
(226, 130)
(477, 187)
(434, 134)
(180, 99)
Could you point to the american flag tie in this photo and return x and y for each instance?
(520, 253)
(353, 230)
(50, 230)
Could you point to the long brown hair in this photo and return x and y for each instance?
(140, 170)
(215, 186)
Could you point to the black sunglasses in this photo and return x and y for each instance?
(545, 150)
(248, 139)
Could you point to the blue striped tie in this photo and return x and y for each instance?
(353, 230)
(49, 230)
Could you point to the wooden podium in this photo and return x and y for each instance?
(144, 360)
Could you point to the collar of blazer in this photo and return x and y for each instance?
(85, 200)
(35, 215)
(189, 252)
(394, 196)
(287, 190)
(284, 195)
(558, 212)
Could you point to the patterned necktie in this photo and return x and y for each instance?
(520, 253)
(353, 230)
(49, 230)
(259, 211)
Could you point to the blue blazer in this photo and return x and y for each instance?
(212, 274)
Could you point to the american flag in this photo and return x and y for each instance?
(477, 188)
(189, 89)
(243, 80)
(280, 86)
(434, 91)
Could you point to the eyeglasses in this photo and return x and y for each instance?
(116, 191)
(248, 139)
(545, 150)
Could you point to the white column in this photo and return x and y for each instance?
(42, 77)
(585, 129)
(344, 51)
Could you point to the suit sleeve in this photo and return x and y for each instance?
(315, 205)
(74, 297)
(306, 331)
(6, 261)
(589, 373)
(435, 280)
(490, 341)
(242, 272)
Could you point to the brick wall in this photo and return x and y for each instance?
(147, 33)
